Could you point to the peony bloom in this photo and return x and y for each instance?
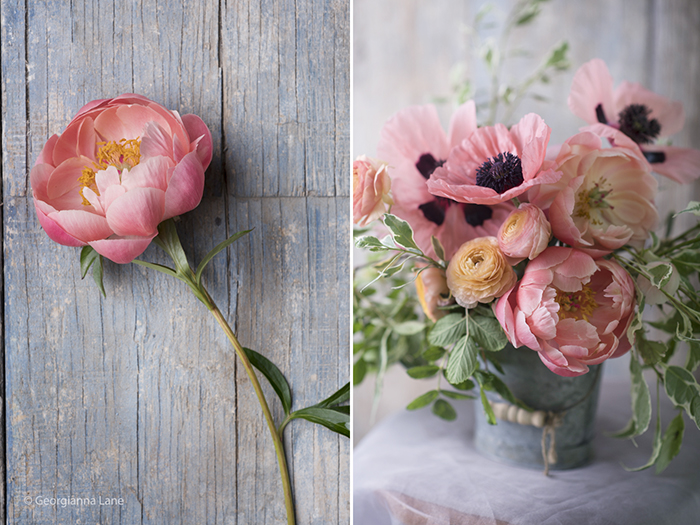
(524, 234)
(431, 287)
(414, 144)
(635, 113)
(570, 308)
(479, 272)
(495, 164)
(370, 190)
(121, 167)
(605, 198)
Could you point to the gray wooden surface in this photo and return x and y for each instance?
(404, 51)
(138, 396)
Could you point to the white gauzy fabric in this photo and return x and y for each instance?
(415, 469)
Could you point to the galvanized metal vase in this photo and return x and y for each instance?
(570, 404)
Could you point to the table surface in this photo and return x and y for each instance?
(138, 395)
(414, 468)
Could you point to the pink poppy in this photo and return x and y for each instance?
(495, 164)
(414, 144)
(634, 112)
(121, 167)
(570, 308)
(605, 198)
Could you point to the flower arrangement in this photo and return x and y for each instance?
(113, 182)
(492, 235)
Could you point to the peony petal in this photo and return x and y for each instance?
(46, 155)
(592, 85)
(105, 179)
(135, 117)
(87, 139)
(39, 179)
(156, 141)
(66, 145)
(65, 177)
(83, 225)
(198, 131)
(186, 186)
(137, 213)
(153, 173)
(52, 229)
(122, 250)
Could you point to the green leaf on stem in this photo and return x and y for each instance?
(656, 449)
(660, 274)
(494, 383)
(456, 395)
(444, 410)
(464, 385)
(448, 330)
(274, 376)
(671, 443)
(423, 400)
(487, 333)
(693, 359)
(488, 410)
(433, 353)
(88, 255)
(409, 327)
(463, 360)
(339, 396)
(98, 273)
(641, 403)
(684, 391)
(334, 419)
(692, 207)
(437, 247)
(371, 243)
(219, 247)
(403, 234)
(168, 239)
(421, 372)
(158, 267)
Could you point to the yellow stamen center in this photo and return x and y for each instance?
(576, 305)
(589, 200)
(123, 155)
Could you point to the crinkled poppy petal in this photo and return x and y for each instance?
(198, 131)
(83, 225)
(137, 213)
(681, 164)
(412, 132)
(52, 229)
(667, 112)
(186, 186)
(531, 136)
(462, 123)
(122, 250)
(592, 85)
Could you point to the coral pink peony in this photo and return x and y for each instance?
(605, 198)
(120, 168)
(634, 112)
(414, 144)
(570, 308)
(370, 190)
(495, 164)
(524, 234)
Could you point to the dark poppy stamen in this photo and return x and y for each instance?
(433, 212)
(477, 214)
(500, 173)
(600, 114)
(635, 123)
(654, 157)
(427, 164)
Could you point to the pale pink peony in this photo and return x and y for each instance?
(121, 167)
(431, 287)
(370, 190)
(524, 234)
(570, 308)
(634, 112)
(414, 144)
(605, 198)
(479, 272)
(495, 164)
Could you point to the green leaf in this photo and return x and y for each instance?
(371, 243)
(463, 360)
(671, 443)
(651, 351)
(437, 247)
(656, 449)
(433, 353)
(692, 207)
(158, 267)
(403, 234)
(168, 239)
(456, 395)
(660, 274)
(336, 398)
(444, 410)
(219, 247)
(487, 333)
(693, 358)
(448, 330)
(98, 273)
(641, 403)
(492, 382)
(637, 322)
(274, 376)
(409, 327)
(359, 370)
(420, 372)
(557, 57)
(335, 420)
(684, 391)
(464, 385)
(424, 400)
(88, 255)
(490, 416)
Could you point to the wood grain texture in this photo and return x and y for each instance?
(407, 58)
(138, 395)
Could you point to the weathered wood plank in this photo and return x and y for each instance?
(138, 395)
